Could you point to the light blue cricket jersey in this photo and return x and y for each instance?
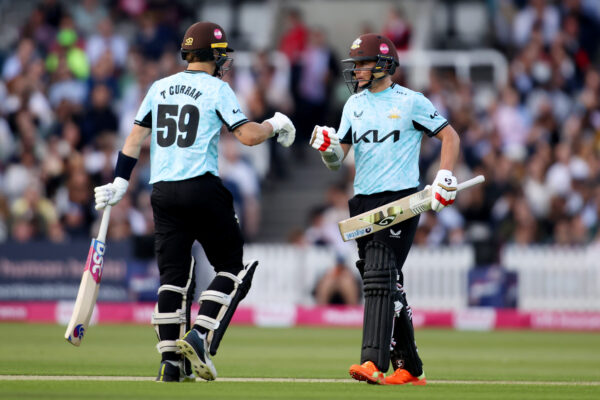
(186, 112)
(385, 130)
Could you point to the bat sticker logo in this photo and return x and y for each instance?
(79, 331)
(95, 260)
(358, 233)
(381, 219)
(386, 221)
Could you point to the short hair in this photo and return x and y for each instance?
(200, 55)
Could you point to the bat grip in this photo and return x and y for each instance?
(471, 182)
(104, 225)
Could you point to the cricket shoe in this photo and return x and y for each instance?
(171, 371)
(192, 346)
(367, 371)
(402, 377)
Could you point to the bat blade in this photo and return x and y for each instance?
(385, 216)
(392, 213)
(87, 294)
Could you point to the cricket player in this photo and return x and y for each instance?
(385, 122)
(183, 113)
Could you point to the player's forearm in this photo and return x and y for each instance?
(253, 133)
(133, 143)
(450, 148)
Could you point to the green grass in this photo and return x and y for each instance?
(118, 350)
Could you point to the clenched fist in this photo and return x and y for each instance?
(283, 128)
(111, 193)
(443, 190)
(327, 142)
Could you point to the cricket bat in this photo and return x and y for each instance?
(89, 286)
(392, 213)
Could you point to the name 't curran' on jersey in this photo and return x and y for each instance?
(186, 112)
(385, 129)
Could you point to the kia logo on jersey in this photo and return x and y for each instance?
(372, 136)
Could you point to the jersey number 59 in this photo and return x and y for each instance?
(172, 125)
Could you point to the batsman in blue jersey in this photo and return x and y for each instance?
(384, 123)
(183, 113)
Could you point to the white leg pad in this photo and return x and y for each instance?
(225, 299)
(206, 322)
(216, 296)
(177, 317)
(167, 345)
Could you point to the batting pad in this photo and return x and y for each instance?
(380, 293)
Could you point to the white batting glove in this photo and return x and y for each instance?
(111, 193)
(283, 128)
(443, 190)
(327, 142)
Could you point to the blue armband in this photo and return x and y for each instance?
(124, 166)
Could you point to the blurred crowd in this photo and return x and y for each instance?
(71, 85)
(69, 90)
(537, 140)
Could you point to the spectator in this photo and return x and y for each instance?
(319, 68)
(338, 286)
(87, 15)
(241, 179)
(53, 12)
(99, 117)
(39, 30)
(510, 121)
(107, 41)
(16, 63)
(67, 50)
(292, 44)
(75, 201)
(153, 37)
(397, 29)
(38, 211)
(537, 15)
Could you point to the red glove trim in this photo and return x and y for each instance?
(443, 201)
(326, 141)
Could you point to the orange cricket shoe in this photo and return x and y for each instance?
(402, 377)
(367, 371)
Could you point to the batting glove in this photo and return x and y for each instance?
(111, 193)
(443, 190)
(327, 142)
(283, 128)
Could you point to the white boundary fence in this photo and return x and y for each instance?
(288, 274)
(555, 277)
(549, 277)
(436, 278)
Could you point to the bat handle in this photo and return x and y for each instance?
(471, 182)
(104, 225)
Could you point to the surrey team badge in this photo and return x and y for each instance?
(394, 113)
(356, 44)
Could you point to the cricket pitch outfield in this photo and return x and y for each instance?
(119, 361)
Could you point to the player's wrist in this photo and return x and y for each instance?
(271, 129)
(333, 159)
(124, 167)
(275, 124)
